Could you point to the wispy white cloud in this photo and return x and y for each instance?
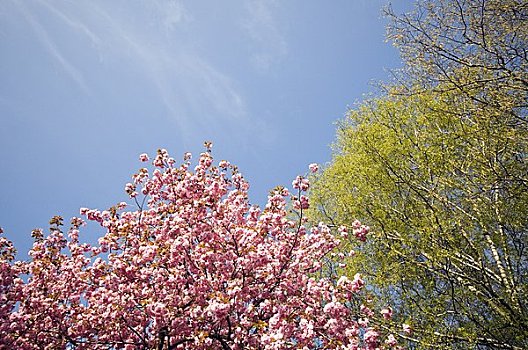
(48, 43)
(262, 28)
(174, 14)
(189, 85)
(151, 38)
(73, 24)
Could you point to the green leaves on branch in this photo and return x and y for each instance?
(447, 199)
(437, 167)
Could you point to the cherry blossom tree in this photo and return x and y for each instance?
(194, 266)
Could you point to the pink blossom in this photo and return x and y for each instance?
(196, 264)
(301, 183)
(371, 336)
(129, 187)
(361, 231)
(387, 313)
(366, 311)
(304, 203)
(363, 322)
(343, 281)
(357, 283)
(313, 167)
(391, 340)
(343, 231)
(143, 157)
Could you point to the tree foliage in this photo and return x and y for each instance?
(438, 167)
(447, 199)
(193, 267)
(475, 47)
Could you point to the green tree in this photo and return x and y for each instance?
(447, 199)
(475, 47)
(438, 167)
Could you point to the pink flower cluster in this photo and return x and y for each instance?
(314, 167)
(301, 183)
(196, 267)
(360, 231)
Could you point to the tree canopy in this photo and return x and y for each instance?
(475, 47)
(194, 266)
(447, 200)
(437, 166)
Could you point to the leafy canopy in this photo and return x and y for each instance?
(438, 167)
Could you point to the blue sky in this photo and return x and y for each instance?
(86, 86)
